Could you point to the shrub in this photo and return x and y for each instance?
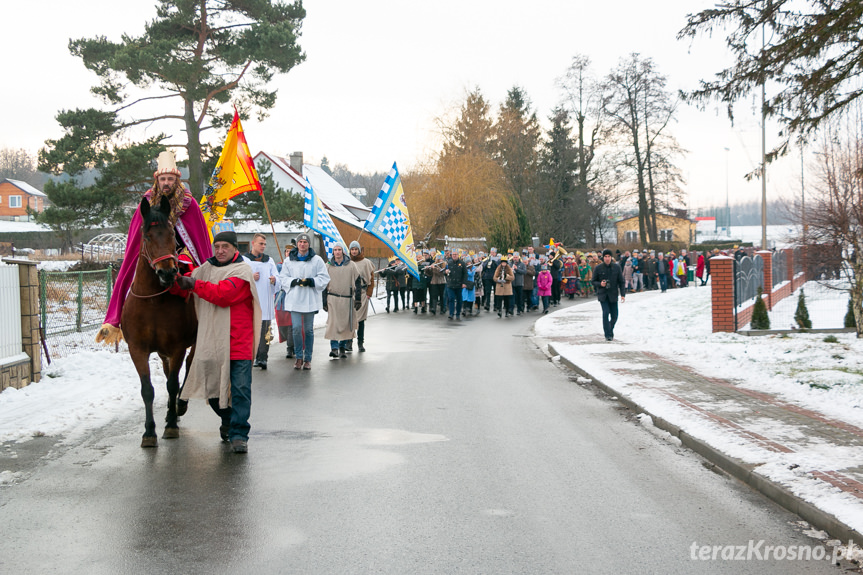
(760, 319)
(850, 321)
(831, 339)
(801, 316)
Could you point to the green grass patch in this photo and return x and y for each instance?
(831, 339)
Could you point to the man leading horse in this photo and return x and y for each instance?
(190, 230)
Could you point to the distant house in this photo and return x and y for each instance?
(347, 212)
(16, 196)
(669, 228)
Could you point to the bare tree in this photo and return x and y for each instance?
(19, 165)
(641, 109)
(586, 101)
(833, 215)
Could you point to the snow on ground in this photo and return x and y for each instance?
(800, 368)
(92, 388)
(76, 394)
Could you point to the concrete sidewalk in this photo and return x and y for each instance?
(720, 420)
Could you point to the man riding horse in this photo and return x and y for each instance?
(190, 230)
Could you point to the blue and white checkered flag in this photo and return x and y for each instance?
(389, 221)
(316, 218)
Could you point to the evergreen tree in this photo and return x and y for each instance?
(517, 140)
(325, 166)
(124, 174)
(850, 320)
(760, 319)
(284, 206)
(194, 57)
(811, 48)
(562, 204)
(801, 315)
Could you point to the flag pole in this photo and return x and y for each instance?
(272, 227)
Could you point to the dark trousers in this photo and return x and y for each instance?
(555, 291)
(394, 293)
(263, 347)
(420, 296)
(663, 281)
(236, 417)
(503, 301)
(609, 317)
(517, 298)
(454, 302)
(436, 296)
(361, 332)
(487, 292)
(404, 293)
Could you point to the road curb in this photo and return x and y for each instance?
(736, 468)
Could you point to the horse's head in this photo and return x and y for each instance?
(159, 245)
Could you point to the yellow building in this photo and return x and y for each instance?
(668, 228)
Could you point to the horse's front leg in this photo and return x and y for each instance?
(140, 359)
(172, 430)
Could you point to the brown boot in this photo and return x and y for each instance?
(298, 364)
(307, 365)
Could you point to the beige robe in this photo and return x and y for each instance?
(210, 372)
(367, 272)
(342, 319)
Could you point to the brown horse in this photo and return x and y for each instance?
(154, 320)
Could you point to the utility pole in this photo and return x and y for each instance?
(763, 141)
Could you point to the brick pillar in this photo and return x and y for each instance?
(767, 293)
(28, 279)
(722, 292)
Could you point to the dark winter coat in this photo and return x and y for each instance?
(457, 274)
(614, 284)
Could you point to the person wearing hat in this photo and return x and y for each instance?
(543, 283)
(503, 276)
(456, 276)
(519, 269)
(342, 298)
(303, 277)
(367, 273)
(488, 268)
(229, 325)
(437, 283)
(267, 283)
(608, 282)
(189, 226)
(394, 275)
(662, 272)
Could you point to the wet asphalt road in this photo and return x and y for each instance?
(449, 447)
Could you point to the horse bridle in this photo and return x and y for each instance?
(153, 261)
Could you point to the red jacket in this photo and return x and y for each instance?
(236, 294)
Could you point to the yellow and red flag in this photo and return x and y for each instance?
(234, 174)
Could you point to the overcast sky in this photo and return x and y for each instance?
(378, 73)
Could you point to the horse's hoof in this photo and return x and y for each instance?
(149, 441)
(171, 433)
(182, 407)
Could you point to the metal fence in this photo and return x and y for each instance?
(73, 306)
(748, 277)
(780, 268)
